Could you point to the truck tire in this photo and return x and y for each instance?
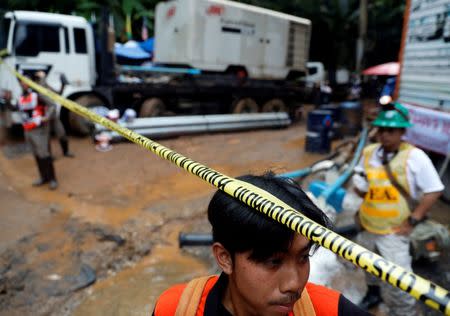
(245, 105)
(274, 105)
(152, 107)
(79, 125)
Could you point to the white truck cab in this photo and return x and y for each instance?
(316, 73)
(54, 43)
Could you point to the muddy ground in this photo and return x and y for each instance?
(106, 242)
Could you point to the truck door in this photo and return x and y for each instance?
(231, 36)
(252, 31)
(80, 71)
(47, 47)
(275, 47)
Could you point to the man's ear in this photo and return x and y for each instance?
(223, 257)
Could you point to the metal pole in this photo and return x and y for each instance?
(360, 44)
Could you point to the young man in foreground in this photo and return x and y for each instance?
(265, 264)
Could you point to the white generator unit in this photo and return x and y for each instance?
(227, 36)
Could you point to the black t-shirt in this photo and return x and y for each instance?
(214, 306)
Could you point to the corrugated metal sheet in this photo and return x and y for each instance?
(297, 52)
(425, 74)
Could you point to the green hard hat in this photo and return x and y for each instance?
(393, 115)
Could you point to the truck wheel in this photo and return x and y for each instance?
(246, 105)
(274, 105)
(79, 125)
(152, 107)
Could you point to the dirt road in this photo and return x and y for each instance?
(112, 208)
(115, 219)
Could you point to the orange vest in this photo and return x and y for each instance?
(190, 299)
(30, 102)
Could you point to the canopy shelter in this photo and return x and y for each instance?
(387, 69)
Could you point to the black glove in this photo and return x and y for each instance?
(63, 79)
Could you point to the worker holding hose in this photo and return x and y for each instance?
(399, 185)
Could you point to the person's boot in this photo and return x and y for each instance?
(372, 298)
(42, 172)
(65, 148)
(50, 171)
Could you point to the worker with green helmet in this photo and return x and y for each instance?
(399, 184)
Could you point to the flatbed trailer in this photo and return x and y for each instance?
(224, 91)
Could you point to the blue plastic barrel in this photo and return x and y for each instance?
(316, 120)
(317, 142)
(351, 118)
(336, 116)
(335, 110)
(318, 134)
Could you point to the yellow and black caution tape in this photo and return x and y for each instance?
(418, 287)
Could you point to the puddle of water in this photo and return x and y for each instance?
(134, 291)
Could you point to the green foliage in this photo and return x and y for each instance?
(335, 28)
(137, 9)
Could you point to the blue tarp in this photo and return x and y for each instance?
(147, 45)
(131, 50)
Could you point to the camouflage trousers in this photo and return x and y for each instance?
(38, 139)
(394, 248)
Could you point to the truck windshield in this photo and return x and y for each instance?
(4, 31)
(32, 38)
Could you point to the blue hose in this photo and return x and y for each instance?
(329, 191)
(296, 174)
(190, 71)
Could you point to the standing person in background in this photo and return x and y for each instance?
(325, 92)
(355, 88)
(55, 123)
(316, 94)
(399, 186)
(265, 265)
(36, 114)
(387, 93)
(5, 105)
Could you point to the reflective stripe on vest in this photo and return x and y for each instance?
(28, 102)
(192, 294)
(384, 207)
(36, 118)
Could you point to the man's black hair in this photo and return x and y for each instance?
(240, 228)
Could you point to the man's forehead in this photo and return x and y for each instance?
(299, 244)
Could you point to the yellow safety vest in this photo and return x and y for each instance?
(384, 207)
